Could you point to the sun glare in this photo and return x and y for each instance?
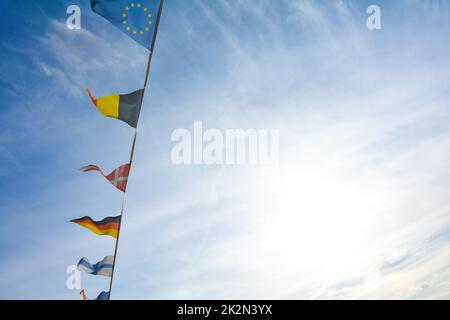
(321, 218)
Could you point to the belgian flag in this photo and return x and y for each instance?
(106, 227)
(125, 107)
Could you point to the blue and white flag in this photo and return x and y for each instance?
(102, 268)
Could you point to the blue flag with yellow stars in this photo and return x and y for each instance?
(136, 18)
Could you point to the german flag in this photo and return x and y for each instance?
(125, 107)
(106, 227)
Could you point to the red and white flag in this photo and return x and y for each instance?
(83, 295)
(118, 177)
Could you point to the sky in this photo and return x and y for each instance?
(357, 207)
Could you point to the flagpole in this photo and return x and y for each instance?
(133, 145)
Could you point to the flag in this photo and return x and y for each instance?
(83, 295)
(136, 18)
(125, 107)
(101, 268)
(118, 177)
(103, 296)
(108, 226)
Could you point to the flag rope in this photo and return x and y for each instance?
(147, 73)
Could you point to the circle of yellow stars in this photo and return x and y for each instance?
(137, 6)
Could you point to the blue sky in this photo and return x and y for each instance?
(357, 208)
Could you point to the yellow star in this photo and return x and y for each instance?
(141, 32)
(139, 5)
(149, 15)
(132, 5)
(145, 9)
(147, 29)
(150, 22)
(134, 32)
(127, 8)
(124, 21)
(128, 28)
(124, 15)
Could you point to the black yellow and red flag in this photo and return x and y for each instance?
(106, 227)
(125, 107)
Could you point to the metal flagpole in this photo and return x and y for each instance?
(147, 73)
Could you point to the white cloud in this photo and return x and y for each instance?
(361, 181)
(361, 188)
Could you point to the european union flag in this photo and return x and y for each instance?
(136, 18)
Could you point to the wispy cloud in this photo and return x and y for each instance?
(358, 206)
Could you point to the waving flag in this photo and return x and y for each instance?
(136, 18)
(118, 177)
(102, 268)
(125, 107)
(108, 226)
(83, 295)
(102, 296)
